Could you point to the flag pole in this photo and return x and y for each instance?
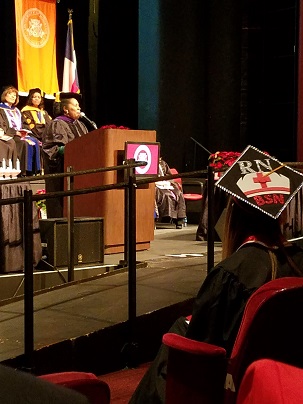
(70, 81)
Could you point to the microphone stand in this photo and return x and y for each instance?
(85, 118)
(202, 147)
(199, 144)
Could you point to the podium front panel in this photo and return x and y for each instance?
(104, 148)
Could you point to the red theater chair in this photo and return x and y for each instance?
(271, 328)
(271, 382)
(195, 372)
(88, 384)
(193, 193)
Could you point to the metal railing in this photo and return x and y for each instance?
(130, 185)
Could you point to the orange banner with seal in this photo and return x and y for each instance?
(36, 46)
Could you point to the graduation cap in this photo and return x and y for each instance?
(261, 181)
(66, 96)
(33, 91)
(8, 87)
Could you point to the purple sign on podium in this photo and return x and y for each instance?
(144, 151)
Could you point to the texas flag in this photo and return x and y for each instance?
(70, 75)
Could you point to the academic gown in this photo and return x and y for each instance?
(170, 202)
(59, 132)
(28, 150)
(35, 119)
(8, 152)
(218, 308)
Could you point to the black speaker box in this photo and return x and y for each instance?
(88, 240)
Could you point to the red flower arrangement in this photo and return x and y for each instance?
(113, 127)
(41, 204)
(222, 160)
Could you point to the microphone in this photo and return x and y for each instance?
(82, 115)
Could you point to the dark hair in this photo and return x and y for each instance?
(243, 221)
(31, 94)
(57, 109)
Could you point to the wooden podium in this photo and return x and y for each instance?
(105, 148)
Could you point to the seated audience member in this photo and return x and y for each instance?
(64, 128)
(11, 122)
(220, 198)
(170, 203)
(254, 252)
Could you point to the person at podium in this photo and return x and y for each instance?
(63, 129)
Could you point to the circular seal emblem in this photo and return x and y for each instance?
(143, 153)
(35, 28)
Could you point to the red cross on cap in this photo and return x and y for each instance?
(262, 179)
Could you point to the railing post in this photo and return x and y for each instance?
(211, 219)
(130, 349)
(127, 174)
(70, 228)
(132, 253)
(28, 280)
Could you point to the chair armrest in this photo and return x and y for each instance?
(191, 180)
(191, 346)
(195, 371)
(192, 186)
(88, 384)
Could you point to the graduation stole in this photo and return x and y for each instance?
(13, 116)
(36, 113)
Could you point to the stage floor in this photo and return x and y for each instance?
(92, 311)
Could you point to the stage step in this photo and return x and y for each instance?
(12, 284)
(48, 278)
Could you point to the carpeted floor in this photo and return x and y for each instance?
(123, 383)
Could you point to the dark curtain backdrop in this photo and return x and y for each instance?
(300, 89)
(228, 78)
(8, 73)
(272, 79)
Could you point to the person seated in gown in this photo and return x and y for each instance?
(8, 150)
(28, 150)
(254, 252)
(63, 129)
(35, 117)
(170, 202)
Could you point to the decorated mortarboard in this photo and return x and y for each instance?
(66, 96)
(261, 181)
